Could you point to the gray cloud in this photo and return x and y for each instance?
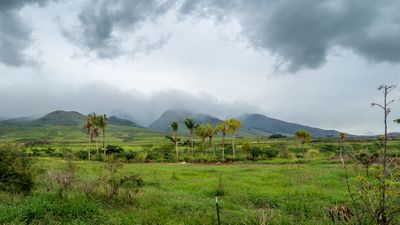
(102, 25)
(15, 34)
(299, 33)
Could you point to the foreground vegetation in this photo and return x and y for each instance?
(178, 194)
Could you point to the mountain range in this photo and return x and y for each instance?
(253, 124)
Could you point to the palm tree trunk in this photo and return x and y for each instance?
(176, 146)
(191, 143)
(233, 145)
(90, 138)
(97, 145)
(223, 146)
(213, 147)
(204, 149)
(104, 142)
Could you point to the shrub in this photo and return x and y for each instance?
(126, 155)
(313, 153)
(329, 148)
(49, 151)
(274, 136)
(162, 153)
(246, 147)
(112, 149)
(82, 154)
(15, 170)
(271, 152)
(140, 157)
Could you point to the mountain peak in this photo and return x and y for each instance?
(60, 117)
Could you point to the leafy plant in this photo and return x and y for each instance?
(15, 170)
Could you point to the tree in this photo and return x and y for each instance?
(233, 127)
(203, 131)
(175, 125)
(386, 89)
(304, 137)
(212, 131)
(191, 126)
(90, 133)
(96, 125)
(103, 123)
(223, 129)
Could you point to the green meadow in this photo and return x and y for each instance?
(182, 193)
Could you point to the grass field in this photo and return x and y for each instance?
(282, 188)
(184, 194)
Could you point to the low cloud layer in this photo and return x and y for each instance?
(37, 100)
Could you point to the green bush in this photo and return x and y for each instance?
(271, 152)
(82, 154)
(329, 148)
(313, 153)
(15, 170)
(140, 157)
(162, 153)
(113, 149)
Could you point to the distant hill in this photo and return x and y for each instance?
(118, 121)
(275, 126)
(253, 124)
(65, 118)
(164, 121)
(68, 126)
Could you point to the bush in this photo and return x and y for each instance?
(313, 153)
(271, 152)
(162, 153)
(15, 170)
(274, 136)
(112, 149)
(140, 157)
(82, 154)
(329, 148)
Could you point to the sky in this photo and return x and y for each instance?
(314, 62)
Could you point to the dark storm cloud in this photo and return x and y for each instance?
(14, 32)
(299, 33)
(101, 24)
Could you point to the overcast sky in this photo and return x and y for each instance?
(314, 62)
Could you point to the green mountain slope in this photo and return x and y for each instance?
(271, 125)
(68, 126)
(164, 121)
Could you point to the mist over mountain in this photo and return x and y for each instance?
(252, 124)
(164, 121)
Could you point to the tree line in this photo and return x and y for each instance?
(204, 132)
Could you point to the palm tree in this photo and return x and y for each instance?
(89, 127)
(103, 123)
(203, 131)
(222, 128)
(96, 126)
(175, 125)
(191, 126)
(233, 127)
(304, 137)
(213, 131)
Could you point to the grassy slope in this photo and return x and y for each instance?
(293, 194)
